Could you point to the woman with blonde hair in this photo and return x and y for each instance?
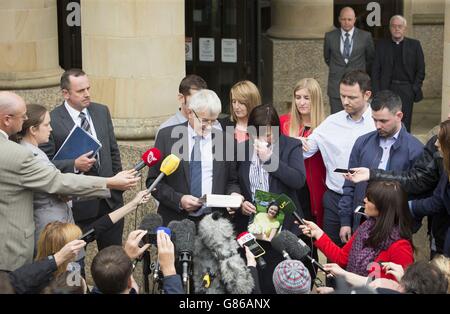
(244, 96)
(307, 112)
(53, 238)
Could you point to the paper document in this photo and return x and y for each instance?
(218, 200)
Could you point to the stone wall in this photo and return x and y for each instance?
(432, 39)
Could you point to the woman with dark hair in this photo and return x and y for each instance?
(440, 200)
(386, 235)
(265, 225)
(273, 163)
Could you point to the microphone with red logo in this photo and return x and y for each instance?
(149, 158)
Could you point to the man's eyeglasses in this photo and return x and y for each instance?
(204, 121)
(24, 116)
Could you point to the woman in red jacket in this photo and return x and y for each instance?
(307, 112)
(386, 235)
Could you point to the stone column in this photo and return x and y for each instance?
(298, 19)
(133, 52)
(29, 49)
(446, 66)
(296, 42)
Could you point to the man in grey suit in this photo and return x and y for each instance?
(346, 49)
(203, 168)
(21, 174)
(78, 109)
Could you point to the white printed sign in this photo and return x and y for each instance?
(206, 49)
(229, 50)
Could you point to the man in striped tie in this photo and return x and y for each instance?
(77, 109)
(346, 49)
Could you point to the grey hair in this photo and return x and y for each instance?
(400, 17)
(205, 100)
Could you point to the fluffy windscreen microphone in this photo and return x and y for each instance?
(216, 254)
(279, 243)
(149, 158)
(150, 223)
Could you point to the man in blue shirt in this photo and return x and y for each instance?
(389, 147)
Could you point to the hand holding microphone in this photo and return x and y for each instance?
(123, 181)
(166, 254)
(311, 230)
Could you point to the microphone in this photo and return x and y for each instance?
(298, 249)
(279, 243)
(216, 253)
(168, 166)
(184, 247)
(247, 239)
(150, 223)
(149, 158)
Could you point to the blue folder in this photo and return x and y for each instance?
(77, 143)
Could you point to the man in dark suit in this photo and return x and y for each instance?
(204, 168)
(400, 66)
(346, 49)
(95, 119)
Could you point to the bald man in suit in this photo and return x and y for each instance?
(346, 49)
(21, 174)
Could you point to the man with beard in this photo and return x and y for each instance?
(389, 147)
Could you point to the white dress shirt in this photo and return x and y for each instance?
(335, 137)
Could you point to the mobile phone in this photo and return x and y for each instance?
(255, 248)
(247, 239)
(88, 236)
(340, 170)
(360, 210)
(150, 237)
(297, 216)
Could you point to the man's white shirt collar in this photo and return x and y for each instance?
(4, 133)
(350, 32)
(75, 114)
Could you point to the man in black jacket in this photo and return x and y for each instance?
(400, 66)
(421, 180)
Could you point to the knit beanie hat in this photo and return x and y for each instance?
(291, 277)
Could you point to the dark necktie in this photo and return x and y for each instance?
(195, 166)
(87, 127)
(347, 46)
